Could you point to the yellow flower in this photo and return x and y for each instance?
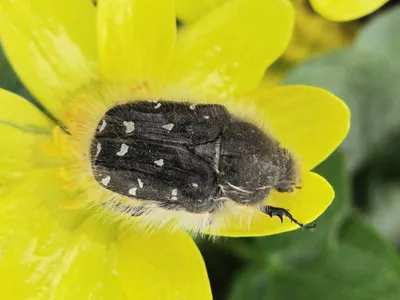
(346, 10)
(58, 238)
(336, 10)
(312, 35)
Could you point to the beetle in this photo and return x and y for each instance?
(189, 157)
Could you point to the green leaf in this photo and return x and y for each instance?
(359, 234)
(251, 283)
(301, 246)
(366, 76)
(385, 210)
(381, 35)
(9, 80)
(362, 267)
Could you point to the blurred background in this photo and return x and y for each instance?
(354, 252)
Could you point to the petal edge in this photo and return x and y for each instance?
(309, 121)
(168, 260)
(346, 10)
(305, 205)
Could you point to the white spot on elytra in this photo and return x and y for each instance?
(174, 198)
(157, 106)
(159, 162)
(206, 117)
(140, 182)
(132, 191)
(168, 126)
(130, 126)
(195, 185)
(174, 192)
(106, 180)
(192, 107)
(103, 125)
(98, 149)
(124, 150)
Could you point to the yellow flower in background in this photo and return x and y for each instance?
(189, 11)
(346, 10)
(312, 35)
(58, 239)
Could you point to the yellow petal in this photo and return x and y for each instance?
(161, 265)
(20, 112)
(36, 248)
(88, 264)
(136, 38)
(188, 11)
(228, 50)
(309, 121)
(305, 205)
(48, 253)
(22, 128)
(51, 45)
(346, 10)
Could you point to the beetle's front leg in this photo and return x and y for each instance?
(281, 212)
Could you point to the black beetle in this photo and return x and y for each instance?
(191, 157)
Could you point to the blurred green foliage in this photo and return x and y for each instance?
(352, 253)
(366, 75)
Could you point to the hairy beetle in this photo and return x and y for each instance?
(190, 157)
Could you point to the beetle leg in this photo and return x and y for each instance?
(281, 212)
